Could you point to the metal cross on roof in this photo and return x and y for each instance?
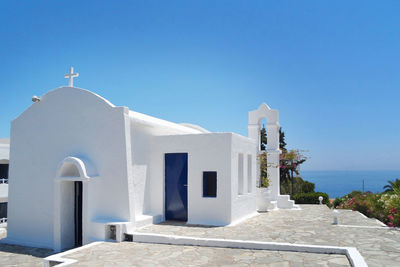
(71, 75)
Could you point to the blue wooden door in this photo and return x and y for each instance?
(176, 186)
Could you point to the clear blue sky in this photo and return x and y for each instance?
(332, 68)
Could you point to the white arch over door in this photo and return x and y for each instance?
(70, 170)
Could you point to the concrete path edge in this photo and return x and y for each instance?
(352, 254)
(59, 260)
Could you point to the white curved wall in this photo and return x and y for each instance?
(68, 122)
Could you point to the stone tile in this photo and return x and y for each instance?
(11, 255)
(126, 252)
(310, 225)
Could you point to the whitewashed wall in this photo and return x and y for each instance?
(206, 152)
(141, 153)
(243, 203)
(143, 129)
(68, 122)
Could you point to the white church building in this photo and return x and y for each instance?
(83, 170)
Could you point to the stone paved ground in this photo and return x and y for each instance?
(11, 255)
(312, 224)
(136, 254)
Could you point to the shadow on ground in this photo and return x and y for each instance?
(35, 252)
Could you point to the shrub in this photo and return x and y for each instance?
(354, 194)
(311, 198)
(307, 187)
(337, 202)
(384, 207)
(299, 186)
(264, 179)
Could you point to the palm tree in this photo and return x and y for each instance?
(392, 185)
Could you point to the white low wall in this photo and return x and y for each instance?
(353, 255)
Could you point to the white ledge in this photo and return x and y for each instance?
(73, 179)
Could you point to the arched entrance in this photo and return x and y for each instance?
(70, 205)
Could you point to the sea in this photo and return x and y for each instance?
(339, 183)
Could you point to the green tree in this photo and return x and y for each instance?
(392, 186)
(264, 180)
(282, 143)
(289, 162)
(263, 138)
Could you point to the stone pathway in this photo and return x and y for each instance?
(138, 254)
(11, 255)
(311, 225)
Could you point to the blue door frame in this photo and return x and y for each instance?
(176, 171)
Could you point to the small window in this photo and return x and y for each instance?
(3, 210)
(209, 184)
(249, 174)
(240, 175)
(3, 171)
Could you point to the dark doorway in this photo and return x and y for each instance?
(78, 214)
(3, 210)
(3, 171)
(176, 169)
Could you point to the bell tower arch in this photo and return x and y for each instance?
(273, 151)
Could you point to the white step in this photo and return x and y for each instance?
(284, 202)
(147, 219)
(273, 205)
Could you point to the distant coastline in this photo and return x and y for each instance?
(339, 183)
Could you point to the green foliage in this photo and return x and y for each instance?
(307, 187)
(264, 180)
(354, 194)
(290, 161)
(382, 206)
(282, 143)
(263, 138)
(289, 164)
(337, 202)
(299, 186)
(311, 198)
(392, 185)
